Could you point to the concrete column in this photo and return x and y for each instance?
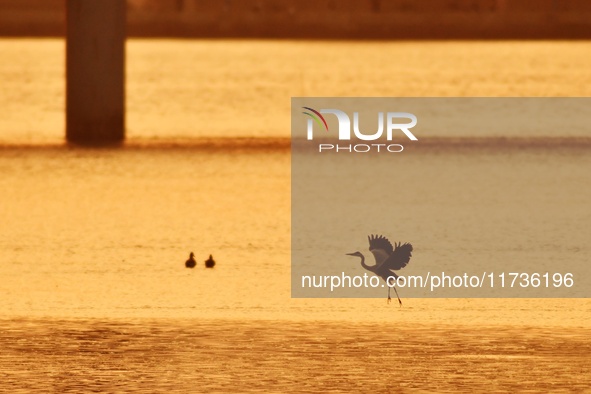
(95, 71)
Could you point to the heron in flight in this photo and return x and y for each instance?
(388, 259)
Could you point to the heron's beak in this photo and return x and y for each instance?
(350, 254)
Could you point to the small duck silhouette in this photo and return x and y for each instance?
(210, 262)
(191, 262)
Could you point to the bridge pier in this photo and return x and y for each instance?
(95, 71)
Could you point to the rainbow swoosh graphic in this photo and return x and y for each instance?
(316, 116)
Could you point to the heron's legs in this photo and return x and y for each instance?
(389, 299)
(400, 302)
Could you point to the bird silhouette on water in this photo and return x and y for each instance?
(210, 262)
(388, 259)
(191, 262)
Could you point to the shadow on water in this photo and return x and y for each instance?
(278, 144)
(239, 144)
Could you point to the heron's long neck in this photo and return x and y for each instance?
(367, 267)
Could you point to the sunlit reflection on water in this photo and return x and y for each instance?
(250, 355)
(95, 295)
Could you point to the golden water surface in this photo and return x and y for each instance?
(95, 295)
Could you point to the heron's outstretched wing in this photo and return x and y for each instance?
(380, 247)
(399, 258)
